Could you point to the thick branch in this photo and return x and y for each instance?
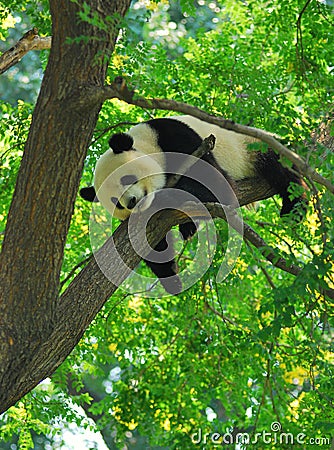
(119, 90)
(29, 41)
(37, 331)
(87, 293)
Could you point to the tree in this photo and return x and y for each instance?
(291, 318)
(49, 156)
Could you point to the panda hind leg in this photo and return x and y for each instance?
(167, 269)
(268, 167)
(188, 229)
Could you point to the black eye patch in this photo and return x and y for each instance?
(128, 179)
(116, 202)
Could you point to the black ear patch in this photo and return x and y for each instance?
(120, 142)
(89, 194)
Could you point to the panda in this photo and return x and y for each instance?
(138, 165)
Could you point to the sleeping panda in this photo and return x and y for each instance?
(140, 162)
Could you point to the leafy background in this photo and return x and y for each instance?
(233, 357)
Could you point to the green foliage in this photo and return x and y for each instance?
(239, 355)
(22, 81)
(14, 126)
(37, 10)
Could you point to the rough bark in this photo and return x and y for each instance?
(45, 192)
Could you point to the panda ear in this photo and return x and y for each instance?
(89, 194)
(120, 142)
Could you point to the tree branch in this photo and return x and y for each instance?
(120, 90)
(29, 41)
(270, 254)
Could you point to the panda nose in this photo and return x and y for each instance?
(132, 202)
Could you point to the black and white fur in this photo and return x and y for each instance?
(135, 166)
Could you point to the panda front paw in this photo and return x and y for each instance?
(188, 230)
(172, 285)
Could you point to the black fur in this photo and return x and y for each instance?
(187, 230)
(127, 180)
(166, 271)
(268, 167)
(89, 194)
(120, 142)
(177, 137)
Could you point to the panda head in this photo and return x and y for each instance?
(124, 178)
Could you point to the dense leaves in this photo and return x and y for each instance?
(233, 357)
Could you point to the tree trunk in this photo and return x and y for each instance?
(37, 328)
(46, 189)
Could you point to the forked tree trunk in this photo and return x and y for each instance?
(37, 328)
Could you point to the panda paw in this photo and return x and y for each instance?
(172, 285)
(188, 230)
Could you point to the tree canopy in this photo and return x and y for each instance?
(244, 356)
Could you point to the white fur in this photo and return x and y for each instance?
(230, 150)
(109, 170)
(147, 162)
(146, 141)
